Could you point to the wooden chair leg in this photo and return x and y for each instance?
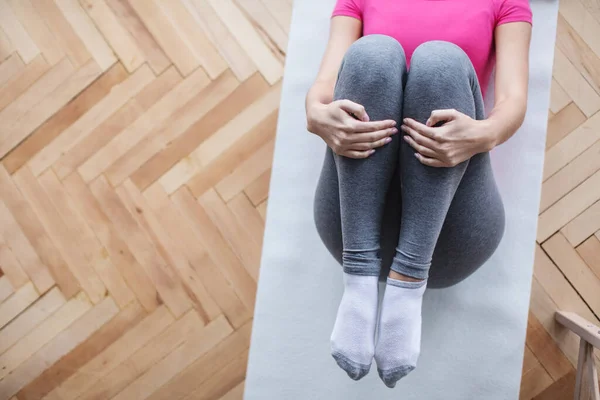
(586, 380)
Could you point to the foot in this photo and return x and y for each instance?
(353, 336)
(399, 341)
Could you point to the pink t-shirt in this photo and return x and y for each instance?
(469, 24)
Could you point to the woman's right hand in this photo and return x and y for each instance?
(345, 135)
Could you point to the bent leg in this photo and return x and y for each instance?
(371, 74)
(441, 77)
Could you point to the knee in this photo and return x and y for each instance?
(437, 60)
(375, 57)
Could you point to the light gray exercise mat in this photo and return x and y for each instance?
(473, 333)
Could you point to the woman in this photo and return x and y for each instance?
(421, 204)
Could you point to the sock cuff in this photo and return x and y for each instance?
(406, 284)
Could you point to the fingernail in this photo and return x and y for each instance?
(405, 138)
(393, 123)
(372, 151)
(405, 120)
(388, 139)
(394, 131)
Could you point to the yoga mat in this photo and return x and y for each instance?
(473, 333)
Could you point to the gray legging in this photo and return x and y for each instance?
(389, 210)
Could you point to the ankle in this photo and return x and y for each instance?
(400, 277)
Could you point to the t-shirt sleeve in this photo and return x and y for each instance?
(348, 8)
(513, 11)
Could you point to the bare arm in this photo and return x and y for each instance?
(332, 120)
(343, 32)
(512, 77)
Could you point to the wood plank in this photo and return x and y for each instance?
(78, 131)
(178, 228)
(60, 234)
(86, 240)
(563, 123)
(559, 390)
(16, 33)
(194, 37)
(248, 216)
(116, 35)
(68, 365)
(37, 29)
(575, 270)
(239, 62)
(582, 21)
(123, 118)
(568, 207)
(61, 345)
(116, 205)
(221, 140)
(246, 172)
(88, 33)
(156, 115)
(582, 226)
(258, 191)
(129, 370)
(550, 292)
(237, 393)
(570, 176)
(15, 304)
(6, 289)
(53, 102)
(217, 247)
(195, 121)
(242, 244)
(571, 146)
(262, 209)
(197, 345)
(574, 84)
(206, 366)
(62, 30)
(266, 25)
(131, 270)
(240, 151)
(172, 254)
(545, 350)
(37, 235)
(268, 65)
(534, 379)
(12, 235)
(6, 47)
(223, 381)
(112, 356)
(593, 8)
(579, 53)
(128, 18)
(10, 68)
(166, 35)
(12, 114)
(589, 251)
(42, 334)
(20, 83)
(282, 12)
(11, 267)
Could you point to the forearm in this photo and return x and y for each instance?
(321, 92)
(504, 120)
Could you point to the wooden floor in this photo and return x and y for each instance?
(136, 139)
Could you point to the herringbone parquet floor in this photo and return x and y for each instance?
(136, 139)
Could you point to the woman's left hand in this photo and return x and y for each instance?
(457, 140)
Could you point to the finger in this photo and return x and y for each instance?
(421, 128)
(441, 116)
(372, 136)
(420, 139)
(432, 162)
(370, 145)
(421, 149)
(373, 126)
(355, 109)
(358, 154)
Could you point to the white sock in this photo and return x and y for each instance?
(353, 336)
(399, 338)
